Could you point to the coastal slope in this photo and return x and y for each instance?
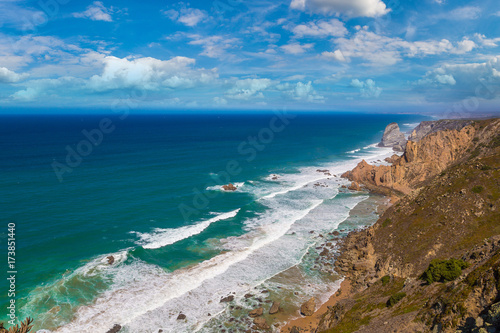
(448, 182)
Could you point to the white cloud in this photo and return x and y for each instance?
(96, 12)
(463, 80)
(386, 51)
(248, 88)
(296, 48)
(321, 29)
(463, 13)
(336, 55)
(214, 46)
(187, 16)
(351, 8)
(220, 101)
(367, 88)
(8, 76)
(150, 74)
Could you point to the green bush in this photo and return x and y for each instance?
(386, 222)
(385, 280)
(443, 270)
(477, 189)
(395, 298)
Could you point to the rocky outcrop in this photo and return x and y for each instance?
(354, 187)
(307, 309)
(229, 187)
(452, 214)
(393, 138)
(115, 329)
(423, 158)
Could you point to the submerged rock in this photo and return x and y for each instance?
(261, 323)
(307, 309)
(274, 308)
(256, 312)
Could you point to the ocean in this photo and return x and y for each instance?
(123, 220)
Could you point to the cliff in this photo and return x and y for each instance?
(445, 143)
(447, 225)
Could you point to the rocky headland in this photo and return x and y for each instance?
(393, 138)
(431, 263)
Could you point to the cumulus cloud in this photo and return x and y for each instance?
(463, 80)
(335, 55)
(187, 16)
(249, 88)
(386, 51)
(302, 92)
(367, 88)
(96, 12)
(8, 76)
(150, 74)
(320, 29)
(296, 48)
(214, 46)
(351, 8)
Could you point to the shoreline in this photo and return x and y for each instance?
(306, 323)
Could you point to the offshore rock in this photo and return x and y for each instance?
(393, 138)
(229, 187)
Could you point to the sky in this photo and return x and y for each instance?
(332, 55)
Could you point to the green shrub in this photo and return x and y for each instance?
(386, 222)
(395, 298)
(443, 270)
(385, 280)
(477, 189)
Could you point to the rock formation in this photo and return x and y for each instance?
(393, 138)
(428, 127)
(229, 187)
(260, 323)
(256, 312)
(307, 309)
(274, 308)
(424, 158)
(448, 214)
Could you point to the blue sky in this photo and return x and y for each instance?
(370, 55)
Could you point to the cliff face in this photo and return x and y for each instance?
(453, 212)
(444, 144)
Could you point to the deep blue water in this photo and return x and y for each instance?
(143, 175)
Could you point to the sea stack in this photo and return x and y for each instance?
(393, 138)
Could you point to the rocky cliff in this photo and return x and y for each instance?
(451, 211)
(446, 143)
(393, 138)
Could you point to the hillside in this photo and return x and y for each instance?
(451, 178)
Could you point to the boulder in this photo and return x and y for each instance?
(115, 329)
(274, 308)
(111, 260)
(256, 312)
(181, 316)
(307, 309)
(229, 187)
(261, 323)
(393, 138)
(227, 299)
(354, 187)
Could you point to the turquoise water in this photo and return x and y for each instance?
(149, 195)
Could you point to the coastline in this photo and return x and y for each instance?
(300, 323)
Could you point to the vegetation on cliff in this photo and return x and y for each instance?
(444, 229)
